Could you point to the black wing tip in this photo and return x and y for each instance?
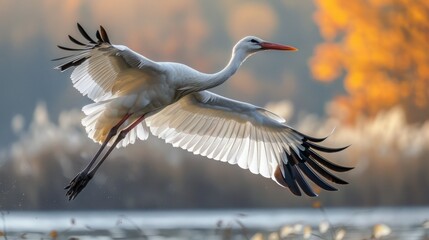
(297, 183)
(303, 184)
(104, 35)
(307, 164)
(293, 180)
(286, 180)
(323, 148)
(101, 35)
(76, 41)
(315, 178)
(70, 64)
(322, 171)
(307, 137)
(309, 143)
(318, 158)
(70, 49)
(345, 169)
(84, 34)
(77, 58)
(98, 36)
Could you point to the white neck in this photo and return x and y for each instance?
(220, 77)
(207, 81)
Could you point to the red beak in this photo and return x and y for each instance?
(275, 46)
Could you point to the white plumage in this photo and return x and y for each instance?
(222, 129)
(132, 94)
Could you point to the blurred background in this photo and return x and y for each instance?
(362, 68)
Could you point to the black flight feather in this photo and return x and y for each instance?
(70, 49)
(302, 183)
(84, 34)
(310, 174)
(316, 179)
(289, 178)
(76, 41)
(71, 64)
(326, 163)
(97, 34)
(329, 176)
(104, 35)
(322, 148)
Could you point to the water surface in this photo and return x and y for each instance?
(405, 223)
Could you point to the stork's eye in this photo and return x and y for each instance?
(253, 40)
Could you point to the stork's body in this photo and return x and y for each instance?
(133, 94)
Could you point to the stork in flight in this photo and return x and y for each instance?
(134, 95)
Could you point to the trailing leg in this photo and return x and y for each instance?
(119, 138)
(82, 178)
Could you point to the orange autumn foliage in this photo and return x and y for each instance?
(379, 48)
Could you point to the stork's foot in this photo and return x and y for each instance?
(77, 184)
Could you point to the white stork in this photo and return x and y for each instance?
(134, 95)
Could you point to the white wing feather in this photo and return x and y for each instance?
(226, 130)
(110, 70)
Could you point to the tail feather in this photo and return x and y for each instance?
(99, 121)
(92, 121)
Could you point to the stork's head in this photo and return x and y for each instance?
(251, 44)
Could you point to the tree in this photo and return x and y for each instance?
(379, 48)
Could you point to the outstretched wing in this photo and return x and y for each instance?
(240, 133)
(103, 70)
